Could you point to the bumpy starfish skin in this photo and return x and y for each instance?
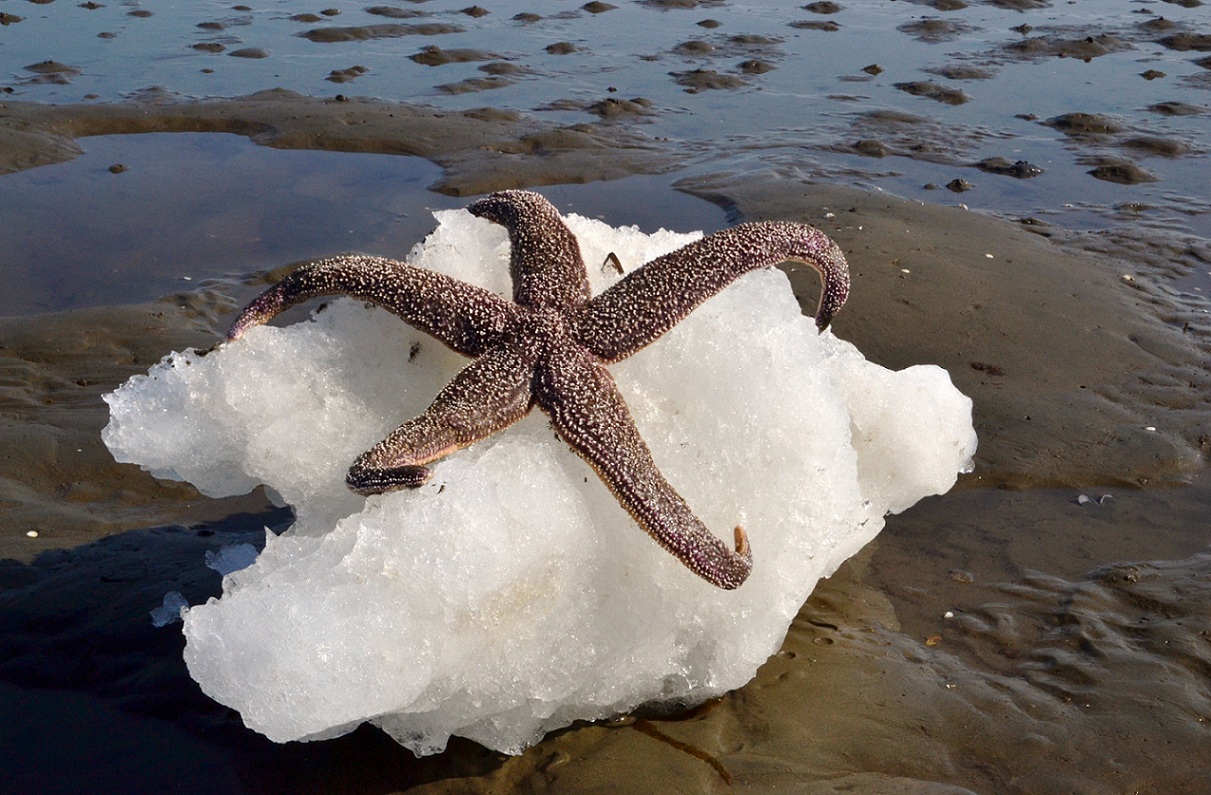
(548, 346)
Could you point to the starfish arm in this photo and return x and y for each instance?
(488, 395)
(465, 317)
(589, 413)
(545, 260)
(651, 300)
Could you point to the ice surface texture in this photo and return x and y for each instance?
(512, 595)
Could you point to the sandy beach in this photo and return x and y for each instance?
(1043, 628)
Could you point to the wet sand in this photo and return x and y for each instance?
(480, 150)
(1076, 654)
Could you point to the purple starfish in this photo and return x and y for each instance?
(549, 346)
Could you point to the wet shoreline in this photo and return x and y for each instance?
(1089, 115)
(1006, 637)
(1040, 356)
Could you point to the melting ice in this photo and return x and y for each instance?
(512, 595)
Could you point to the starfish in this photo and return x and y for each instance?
(549, 347)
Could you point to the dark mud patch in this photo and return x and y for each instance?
(611, 108)
(1148, 145)
(755, 66)
(675, 5)
(934, 30)
(504, 68)
(699, 80)
(957, 72)
(51, 72)
(216, 26)
(935, 91)
(1020, 5)
(1084, 124)
(436, 56)
(886, 133)
(561, 48)
(730, 46)
(1157, 25)
(252, 53)
(1085, 48)
(371, 32)
(694, 48)
(1187, 42)
(394, 12)
(823, 7)
(1178, 109)
(1091, 133)
(474, 84)
(1200, 82)
(751, 43)
(346, 75)
(828, 26)
(869, 147)
(1018, 169)
(1121, 172)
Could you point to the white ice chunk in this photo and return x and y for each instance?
(170, 611)
(512, 595)
(231, 558)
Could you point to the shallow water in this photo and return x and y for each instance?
(862, 94)
(1053, 671)
(186, 207)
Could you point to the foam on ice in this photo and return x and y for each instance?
(512, 595)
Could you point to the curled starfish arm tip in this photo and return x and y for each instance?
(742, 547)
(652, 299)
(590, 415)
(257, 313)
(367, 481)
(829, 261)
